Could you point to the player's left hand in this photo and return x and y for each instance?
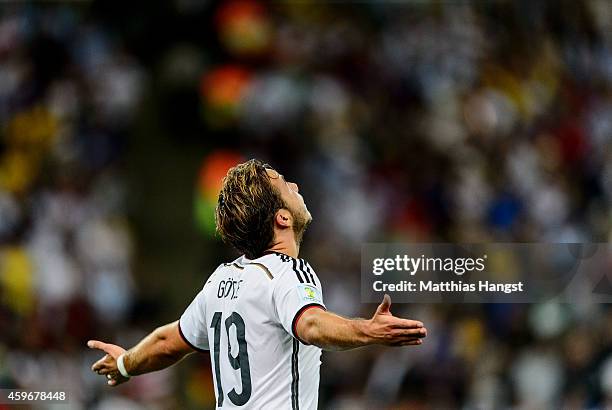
(107, 366)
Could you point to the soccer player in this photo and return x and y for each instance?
(261, 316)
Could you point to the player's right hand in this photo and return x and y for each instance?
(107, 365)
(386, 329)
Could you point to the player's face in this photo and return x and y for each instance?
(290, 194)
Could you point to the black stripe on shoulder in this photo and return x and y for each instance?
(314, 277)
(197, 349)
(307, 272)
(297, 272)
(300, 268)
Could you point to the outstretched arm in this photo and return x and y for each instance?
(332, 332)
(161, 348)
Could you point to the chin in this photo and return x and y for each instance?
(301, 224)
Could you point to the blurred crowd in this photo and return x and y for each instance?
(67, 93)
(414, 122)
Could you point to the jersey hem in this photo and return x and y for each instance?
(299, 314)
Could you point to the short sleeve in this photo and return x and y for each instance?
(192, 324)
(297, 290)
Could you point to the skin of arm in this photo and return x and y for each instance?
(333, 332)
(160, 349)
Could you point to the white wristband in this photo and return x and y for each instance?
(121, 367)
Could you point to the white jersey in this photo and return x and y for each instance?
(246, 316)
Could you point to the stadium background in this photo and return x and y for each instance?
(401, 121)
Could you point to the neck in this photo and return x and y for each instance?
(285, 242)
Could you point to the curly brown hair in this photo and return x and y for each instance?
(246, 207)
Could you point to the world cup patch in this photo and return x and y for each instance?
(309, 294)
